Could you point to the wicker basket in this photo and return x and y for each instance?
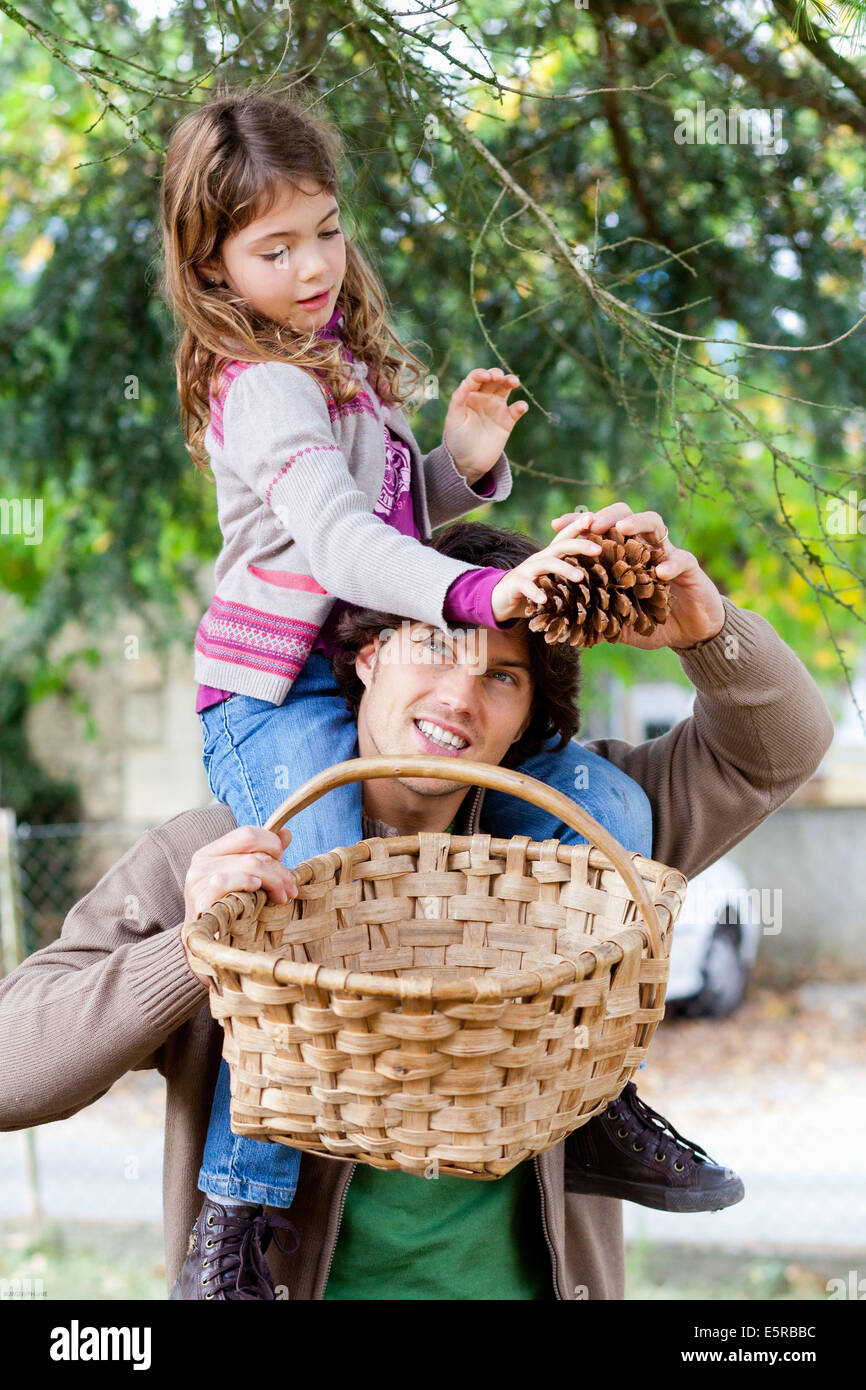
(440, 1003)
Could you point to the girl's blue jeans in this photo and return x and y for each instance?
(257, 753)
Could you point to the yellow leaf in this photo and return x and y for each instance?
(829, 284)
(788, 602)
(772, 408)
(101, 543)
(406, 243)
(775, 1007)
(40, 251)
(544, 71)
(508, 109)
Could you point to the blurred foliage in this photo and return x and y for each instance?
(674, 1272)
(680, 314)
(118, 1260)
(86, 1261)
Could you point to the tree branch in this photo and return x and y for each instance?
(825, 53)
(765, 74)
(621, 141)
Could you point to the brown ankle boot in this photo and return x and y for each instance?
(226, 1254)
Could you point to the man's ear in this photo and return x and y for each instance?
(529, 713)
(524, 726)
(365, 661)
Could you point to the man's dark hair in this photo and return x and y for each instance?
(554, 666)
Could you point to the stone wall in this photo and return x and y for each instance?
(142, 763)
(815, 855)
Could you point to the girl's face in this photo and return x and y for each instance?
(290, 262)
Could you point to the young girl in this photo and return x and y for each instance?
(291, 382)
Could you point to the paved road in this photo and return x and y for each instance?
(775, 1092)
(105, 1163)
(801, 1161)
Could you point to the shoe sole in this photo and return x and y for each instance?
(686, 1199)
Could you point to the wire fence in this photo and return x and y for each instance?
(44, 871)
(57, 865)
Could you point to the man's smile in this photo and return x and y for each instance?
(440, 738)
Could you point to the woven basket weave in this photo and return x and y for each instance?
(440, 1003)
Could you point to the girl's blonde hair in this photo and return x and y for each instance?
(225, 164)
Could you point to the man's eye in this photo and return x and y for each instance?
(436, 643)
(336, 232)
(507, 674)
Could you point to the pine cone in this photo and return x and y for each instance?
(621, 590)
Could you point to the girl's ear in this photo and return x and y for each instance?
(210, 272)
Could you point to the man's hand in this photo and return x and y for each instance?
(479, 420)
(697, 611)
(246, 859)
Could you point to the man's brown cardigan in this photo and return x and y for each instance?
(115, 993)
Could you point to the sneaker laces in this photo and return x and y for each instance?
(653, 1127)
(240, 1253)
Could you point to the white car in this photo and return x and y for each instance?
(716, 939)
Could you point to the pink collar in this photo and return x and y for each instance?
(331, 329)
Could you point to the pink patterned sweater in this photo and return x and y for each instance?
(468, 595)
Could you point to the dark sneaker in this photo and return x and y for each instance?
(226, 1254)
(632, 1152)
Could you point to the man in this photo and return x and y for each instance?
(117, 992)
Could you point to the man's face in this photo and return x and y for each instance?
(420, 685)
(286, 255)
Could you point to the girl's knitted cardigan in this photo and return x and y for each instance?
(297, 479)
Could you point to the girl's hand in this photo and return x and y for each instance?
(508, 599)
(697, 612)
(479, 420)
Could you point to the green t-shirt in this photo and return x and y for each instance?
(408, 1237)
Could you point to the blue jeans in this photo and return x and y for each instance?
(256, 754)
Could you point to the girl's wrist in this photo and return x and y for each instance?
(500, 606)
(470, 474)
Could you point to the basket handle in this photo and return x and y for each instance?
(502, 779)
